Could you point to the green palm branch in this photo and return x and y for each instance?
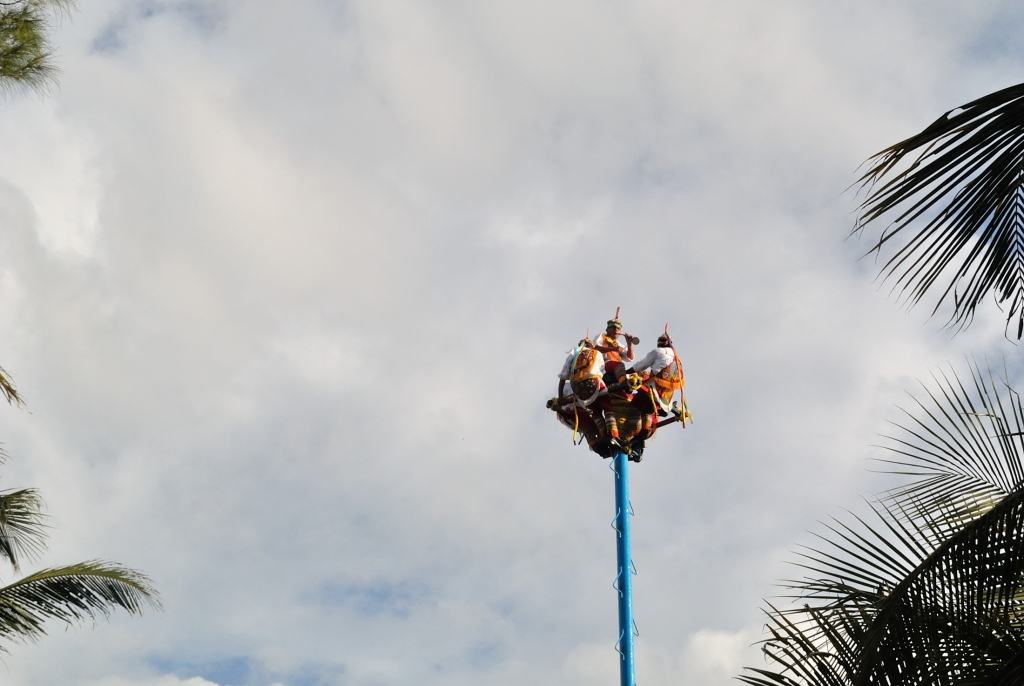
(22, 526)
(930, 588)
(8, 390)
(72, 593)
(26, 57)
(67, 594)
(951, 202)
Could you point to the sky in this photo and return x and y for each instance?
(286, 286)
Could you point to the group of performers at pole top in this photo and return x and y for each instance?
(614, 407)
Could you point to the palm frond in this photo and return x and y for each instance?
(951, 613)
(1011, 673)
(956, 192)
(7, 388)
(964, 443)
(968, 588)
(81, 591)
(25, 56)
(22, 525)
(26, 59)
(930, 588)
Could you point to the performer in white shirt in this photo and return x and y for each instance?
(583, 370)
(659, 358)
(664, 375)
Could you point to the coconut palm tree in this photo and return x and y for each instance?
(949, 202)
(929, 588)
(67, 594)
(87, 589)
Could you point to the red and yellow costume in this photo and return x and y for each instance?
(583, 370)
(662, 375)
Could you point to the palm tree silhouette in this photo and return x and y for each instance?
(949, 201)
(929, 588)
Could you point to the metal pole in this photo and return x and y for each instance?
(624, 581)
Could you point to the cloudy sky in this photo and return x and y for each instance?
(286, 285)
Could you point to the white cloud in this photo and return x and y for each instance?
(719, 656)
(165, 680)
(329, 262)
(54, 161)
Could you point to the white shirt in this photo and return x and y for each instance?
(596, 368)
(656, 360)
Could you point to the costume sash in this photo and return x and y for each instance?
(582, 369)
(615, 355)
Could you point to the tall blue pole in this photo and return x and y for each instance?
(624, 581)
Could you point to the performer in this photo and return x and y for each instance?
(665, 376)
(662, 374)
(613, 351)
(583, 370)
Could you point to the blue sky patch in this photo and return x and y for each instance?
(376, 598)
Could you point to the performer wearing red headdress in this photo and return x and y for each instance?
(663, 375)
(613, 351)
(583, 370)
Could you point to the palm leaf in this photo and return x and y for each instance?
(952, 613)
(1011, 672)
(930, 589)
(8, 390)
(965, 590)
(22, 527)
(25, 54)
(24, 48)
(954, 193)
(82, 591)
